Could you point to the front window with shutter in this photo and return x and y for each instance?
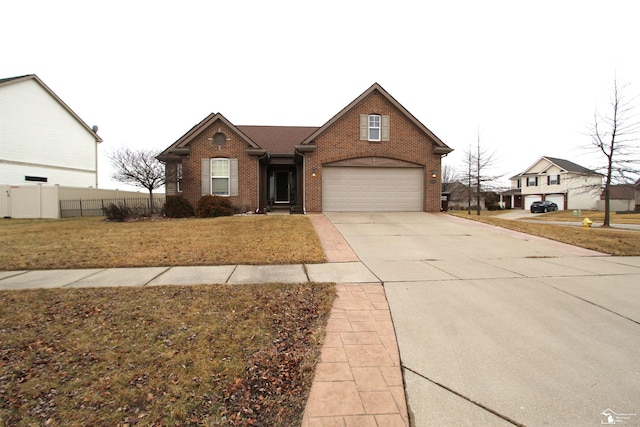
(220, 177)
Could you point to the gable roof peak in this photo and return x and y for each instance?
(25, 77)
(440, 146)
(568, 165)
(11, 80)
(192, 133)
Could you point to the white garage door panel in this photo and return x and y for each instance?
(530, 199)
(558, 199)
(349, 189)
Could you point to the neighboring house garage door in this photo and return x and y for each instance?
(530, 199)
(558, 199)
(371, 189)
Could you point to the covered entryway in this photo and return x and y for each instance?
(372, 189)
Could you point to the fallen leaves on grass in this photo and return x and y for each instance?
(179, 356)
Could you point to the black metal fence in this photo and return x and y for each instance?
(96, 207)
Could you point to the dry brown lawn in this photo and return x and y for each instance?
(96, 243)
(595, 216)
(160, 356)
(607, 240)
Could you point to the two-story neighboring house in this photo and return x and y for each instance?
(41, 139)
(563, 182)
(373, 155)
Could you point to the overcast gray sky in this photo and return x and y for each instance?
(528, 75)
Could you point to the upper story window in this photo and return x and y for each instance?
(553, 179)
(532, 181)
(220, 177)
(374, 127)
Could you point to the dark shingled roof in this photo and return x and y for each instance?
(277, 139)
(621, 192)
(569, 166)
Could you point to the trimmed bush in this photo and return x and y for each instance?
(212, 206)
(118, 212)
(178, 207)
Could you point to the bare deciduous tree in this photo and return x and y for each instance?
(614, 135)
(449, 176)
(476, 163)
(467, 176)
(139, 168)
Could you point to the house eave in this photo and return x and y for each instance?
(256, 152)
(442, 150)
(305, 148)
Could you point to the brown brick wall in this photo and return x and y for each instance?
(201, 147)
(342, 141)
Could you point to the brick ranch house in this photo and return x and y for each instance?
(372, 156)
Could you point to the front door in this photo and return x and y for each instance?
(282, 186)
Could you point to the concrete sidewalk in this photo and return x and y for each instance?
(358, 381)
(345, 272)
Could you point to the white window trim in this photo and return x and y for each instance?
(379, 127)
(228, 176)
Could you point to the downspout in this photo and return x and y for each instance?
(97, 164)
(97, 142)
(302, 149)
(264, 156)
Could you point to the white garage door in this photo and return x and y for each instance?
(558, 199)
(530, 199)
(363, 189)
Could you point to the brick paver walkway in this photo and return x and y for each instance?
(358, 381)
(335, 247)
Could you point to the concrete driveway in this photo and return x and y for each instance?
(497, 327)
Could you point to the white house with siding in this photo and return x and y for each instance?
(41, 139)
(563, 182)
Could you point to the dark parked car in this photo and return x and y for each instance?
(545, 206)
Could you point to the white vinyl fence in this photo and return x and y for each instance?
(45, 201)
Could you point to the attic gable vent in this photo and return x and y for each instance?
(219, 139)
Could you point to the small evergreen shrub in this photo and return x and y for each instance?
(212, 206)
(178, 207)
(118, 212)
